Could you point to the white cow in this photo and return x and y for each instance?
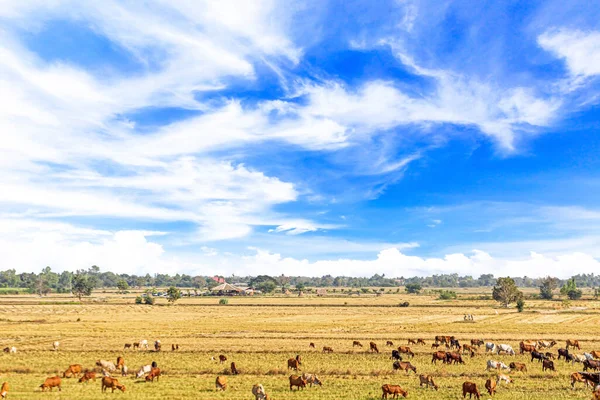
(504, 348)
(503, 378)
(145, 369)
(588, 356)
(491, 364)
(13, 349)
(259, 392)
(144, 344)
(312, 378)
(490, 347)
(107, 365)
(55, 345)
(578, 358)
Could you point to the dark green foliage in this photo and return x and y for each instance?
(506, 291)
(413, 288)
(547, 285)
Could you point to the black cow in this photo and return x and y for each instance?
(396, 355)
(535, 355)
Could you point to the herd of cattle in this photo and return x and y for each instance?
(540, 351)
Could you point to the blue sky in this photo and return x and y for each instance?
(306, 138)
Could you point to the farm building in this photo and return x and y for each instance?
(227, 289)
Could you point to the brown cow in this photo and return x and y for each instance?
(435, 345)
(120, 363)
(577, 377)
(454, 358)
(221, 383)
(596, 394)
(468, 349)
(327, 349)
(438, 355)
(427, 380)
(591, 364)
(136, 345)
(389, 343)
(477, 342)
(595, 354)
(87, 376)
(490, 385)
(222, 358)
(518, 366)
(297, 381)
(356, 343)
(471, 389)
(293, 364)
(421, 342)
(111, 383)
(127, 346)
(547, 364)
(573, 343)
(412, 341)
(394, 390)
(404, 366)
(406, 350)
(73, 370)
(234, 370)
(526, 348)
(311, 345)
(4, 390)
(174, 347)
(50, 383)
(373, 347)
(154, 373)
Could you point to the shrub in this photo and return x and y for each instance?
(405, 304)
(223, 302)
(520, 304)
(149, 300)
(447, 295)
(413, 288)
(139, 300)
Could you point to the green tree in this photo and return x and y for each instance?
(506, 291)
(266, 286)
(83, 284)
(122, 285)
(520, 304)
(547, 285)
(300, 286)
(173, 294)
(570, 290)
(413, 288)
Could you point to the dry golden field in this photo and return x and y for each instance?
(261, 333)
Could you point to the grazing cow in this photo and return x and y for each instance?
(551, 356)
(389, 343)
(373, 347)
(421, 342)
(6, 349)
(406, 350)
(157, 345)
(504, 348)
(50, 383)
(327, 349)
(467, 348)
(591, 364)
(438, 355)
(143, 370)
(221, 383)
(174, 347)
(396, 355)
(543, 344)
(490, 385)
(503, 378)
(136, 345)
(394, 390)
(222, 358)
(595, 354)
(578, 358)
(491, 364)
(107, 365)
(411, 341)
(293, 364)
(127, 346)
(427, 380)
(312, 379)
(154, 373)
(454, 358)
(111, 383)
(73, 371)
(4, 390)
(563, 353)
(55, 345)
(471, 389)
(491, 347)
(356, 343)
(311, 346)
(120, 363)
(259, 392)
(578, 377)
(404, 366)
(476, 342)
(518, 366)
(435, 345)
(548, 364)
(297, 381)
(536, 355)
(573, 343)
(588, 356)
(87, 376)
(11, 350)
(454, 344)
(526, 348)
(234, 370)
(143, 344)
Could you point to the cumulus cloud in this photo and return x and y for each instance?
(580, 50)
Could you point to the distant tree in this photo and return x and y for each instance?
(266, 286)
(547, 285)
(300, 286)
(122, 285)
(83, 285)
(570, 290)
(506, 291)
(520, 304)
(413, 288)
(173, 294)
(283, 282)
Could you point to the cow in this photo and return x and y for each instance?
(471, 389)
(293, 364)
(390, 343)
(312, 379)
(518, 366)
(536, 355)
(578, 358)
(490, 347)
(222, 358)
(454, 344)
(438, 355)
(468, 348)
(404, 366)
(107, 365)
(595, 354)
(154, 373)
(396, 355)
(411, 341)
(435, 345)
(136, 345)
(551, 356)
(394, 390)
(373, 347)
(356, 343)
(111, 383)
(174, 347)
(4, 390)
(548, 364)
(427, 380)
(50, 383)
(124, 370)
(73, 370)
(143, 344)
(421, 342)
(221, 383)
(297, 381)
(143, 370)
(327, 349)
(588, 356)
(543, 344)
(120, 363)
(406, 350)
(526, 348)
(12, 350)
(312, 346)
(157, 345)
(234, 370)
(454, 358)
(490, 385)
(503, 378)
(87, 376)
(591, 364)
(55, 345)
(259, 392)
(573, 343)
(504, 348)
(127, 346)
(491, 364)
(578, 377)
(563, 353)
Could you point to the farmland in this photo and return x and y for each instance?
(260, 333)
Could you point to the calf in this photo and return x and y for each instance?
(73, 370)
(421, 342)
(222, 358)
(518, 366)
(550, 356)
(297, 381)
(490, 385)
(327, 349)
(396, 355)
(476, 342)
(373, 347)
(470, 388)
(234, 370)
(435, 345)
(547, 364)
(111, 383)
(127, 346)
(312, 379)
(50, 383)
(87, 376)
(154, 373)
(394, 390)
(427, 380)
(221, 383)
(356, 343)
(406, 350)
(4, 390)
(311, 345)
(411, 341)
(404, 366)
(389, 343)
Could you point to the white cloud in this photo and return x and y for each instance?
(580, 50)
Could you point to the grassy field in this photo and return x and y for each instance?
(261, 333)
